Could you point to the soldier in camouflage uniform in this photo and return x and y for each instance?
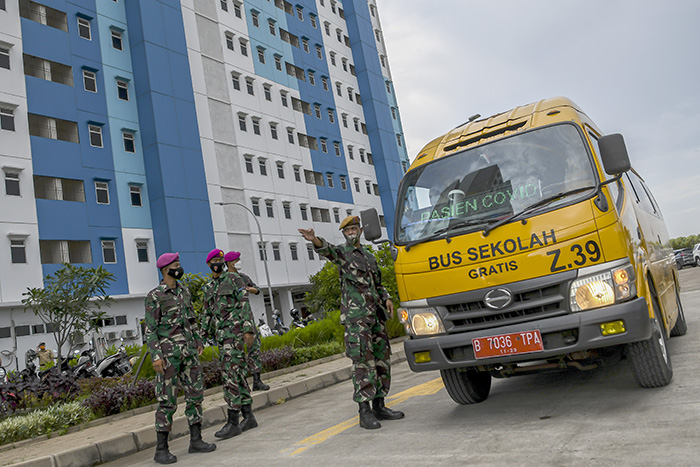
(229, 322)
(253, 358)
(364, 316)
(173, 340)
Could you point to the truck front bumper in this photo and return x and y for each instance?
(561, 335)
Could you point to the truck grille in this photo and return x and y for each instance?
(541, 301)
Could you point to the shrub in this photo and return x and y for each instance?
(212, 373)
(120, 396)
(314, 352)
(40, 422)
(275, 359)
(317, 332)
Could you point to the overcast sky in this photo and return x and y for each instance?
(633, 67)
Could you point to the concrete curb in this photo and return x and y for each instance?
(126, 444)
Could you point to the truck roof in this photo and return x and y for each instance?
(478, 131)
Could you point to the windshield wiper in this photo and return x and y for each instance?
(532, 207)
(444, 230)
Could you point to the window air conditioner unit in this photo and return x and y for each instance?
(129, 334)
(111, 335)
(78, 339)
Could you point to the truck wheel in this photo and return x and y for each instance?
(465, 385)
(651, 362)
(681, 326)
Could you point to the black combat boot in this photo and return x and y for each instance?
(197, 444)
(231, 428)
(249, 421)
(163, 456)
(384, 413)
(258, 385)
(367, 418)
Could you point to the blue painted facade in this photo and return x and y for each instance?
(167, 162)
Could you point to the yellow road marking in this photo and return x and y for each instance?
(425, 389)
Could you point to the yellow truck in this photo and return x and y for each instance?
(526, 242)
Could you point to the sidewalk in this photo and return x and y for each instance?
(120, 435)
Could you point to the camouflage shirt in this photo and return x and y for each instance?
(227, 312)
(244, 280)
(171, 325)
(360, 280)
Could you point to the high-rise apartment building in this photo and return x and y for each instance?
(129, 128)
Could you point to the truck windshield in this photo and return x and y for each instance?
(481, 185)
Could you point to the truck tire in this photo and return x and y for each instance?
(651, 362)
(681, 326)
(466, 385)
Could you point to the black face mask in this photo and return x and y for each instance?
(216, 267)
(176, 272)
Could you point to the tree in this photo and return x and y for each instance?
(70, 301)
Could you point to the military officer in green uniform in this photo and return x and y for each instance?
(363, 311)
(229, 322)
(174, 343)
(253, 357)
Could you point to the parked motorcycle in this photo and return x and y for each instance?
(117, 364)
(85, 368)
(297, 320)
(264, 329)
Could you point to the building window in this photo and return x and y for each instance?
(236, 81)
(263, 167)
(304, 213)
(95, 135)
(283, 98)
(65, 251)
(287, 210)
(262, 251)
(324, 145)
(271, 24)
(237, 9)
(331, 116)
(290, 135)
(229, 41)
(241, 123)
(350, 94)
(297, 173)
(339, 89)
(305, 45)
(381, 60)
(224, 5)
(4, 57)
(293, 251)
(280, 169)
(329, 177)
(345, 64)
(84, 29)
(2, 5)
(344, 118)
(261, 55)
(324, 82)
(350, 153)
(356, 124)
(314, 24)
(375, 188)
(7, 119)
(357, 184)
(117, 40)
(249, 86)
(256, 206)
(310, 251)
(244, 47)
(336, 215)
(273, 130)
(89, 81)
(319, 52)
(254, 17)
(377, 35)
(332, 54)
(336, 147)
(123, 90)
(18, 251)
(256, 125)
(12, 183)
(142, 251)
(278, 62)
(370, 160)
(312, 78)
(327, 28)
(135, 193)
(388, 87)
(343, 182)
(276, 252)
(398, 140)
(267, 92)
(109, 253)
(371, 10)
(362, 155)
(269, 208)
(317, 110)
(368, 185)
(393, 113)
(128, 139)
(102, 192)
(248, 164)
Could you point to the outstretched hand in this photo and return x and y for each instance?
(308, 234)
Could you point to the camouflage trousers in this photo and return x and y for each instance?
(236, 390)
(253, 357)
(184, 371)
(367, 345)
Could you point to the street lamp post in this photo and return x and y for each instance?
(267, 272)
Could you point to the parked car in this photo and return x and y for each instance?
(684, 257)
(696, 254)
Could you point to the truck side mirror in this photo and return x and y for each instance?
(370, 224)
(613, 152)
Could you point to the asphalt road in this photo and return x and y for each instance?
(599, 417)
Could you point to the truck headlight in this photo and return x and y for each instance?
(421, 321)
(603, 289)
